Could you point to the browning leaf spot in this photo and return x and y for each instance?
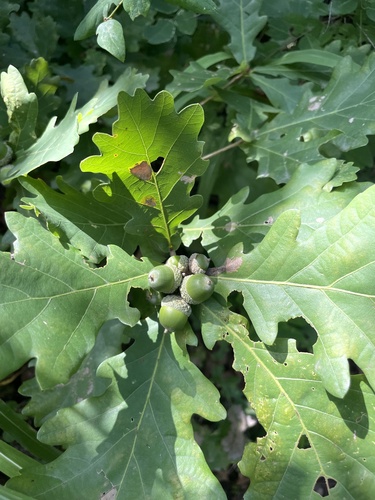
(230, 266)
(150, 201)
(142, 171)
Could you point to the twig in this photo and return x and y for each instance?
(222, 150)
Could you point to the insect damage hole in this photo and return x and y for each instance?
(303, 442)
(324, 485)
(157, 164)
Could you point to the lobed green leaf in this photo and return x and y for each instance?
(311, 436)
(136, 440)
(323, 279)
(53, 303)
(240, 18)
(156, 197)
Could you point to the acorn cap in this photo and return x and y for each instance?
(196, 288)
(174, 313)
(179, 261)
(198, 263)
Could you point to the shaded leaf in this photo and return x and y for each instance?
(136, 8)
(240, 18)
(149, 131)
(200, 6)
(137, 438)
(341, 115)
(53, 303)
(82, 385)
(78, 218)
(160, 32)
(323, 279)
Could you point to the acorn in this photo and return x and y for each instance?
(179, 261)
(196, 288)
(198, 263)
(164, 278)
(173, 313)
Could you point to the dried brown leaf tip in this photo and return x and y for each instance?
(142, 171)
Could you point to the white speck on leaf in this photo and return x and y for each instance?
(269, 221)
(186, 179)
(316, 102)
(231, 226)
(351, 120)
(320, 220)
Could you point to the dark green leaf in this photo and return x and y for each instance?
(240, 18)
(138, 434)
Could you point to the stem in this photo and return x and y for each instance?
(228, 84)
(114, 11)
(222, 150)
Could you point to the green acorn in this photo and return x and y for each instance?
(164, 278)
(198, 263)
(179, 261)
(173, 313)
(196, 288)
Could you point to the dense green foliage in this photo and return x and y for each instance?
(134, 130)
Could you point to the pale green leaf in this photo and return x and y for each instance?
(53, 303)
(149, 130)
(9, 494)
(58, 141)
(324, 279)
(310, 435)
(110, 37)
(240, 18)
(22, 108)
(309, 190)
(93, 18)
(136, 440)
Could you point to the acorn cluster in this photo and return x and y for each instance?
(185, 283)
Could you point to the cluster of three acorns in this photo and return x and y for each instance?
(186, 276)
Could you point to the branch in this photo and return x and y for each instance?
(222, 150)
